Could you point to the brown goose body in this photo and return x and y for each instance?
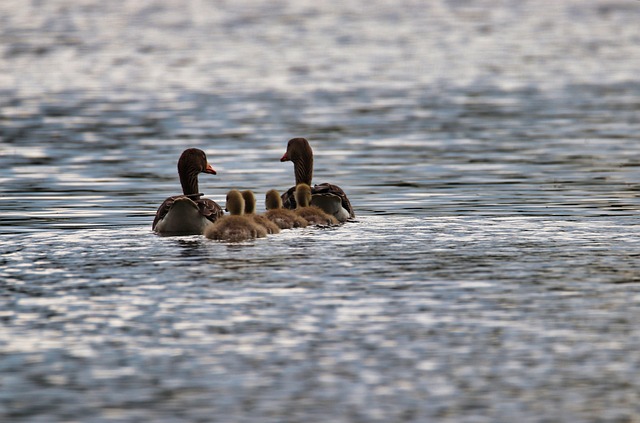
(235, 227)
(312, 214)
(250, 212)
(331, 198)
(284, 218)
(189, 213)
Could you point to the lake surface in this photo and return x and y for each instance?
(490, 150)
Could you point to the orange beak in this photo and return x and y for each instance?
(209, 169)
(285, 158)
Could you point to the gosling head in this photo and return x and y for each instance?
(272, 200)
(235, 203)
(303, 195)
(249, 202)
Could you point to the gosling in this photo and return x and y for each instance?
(250, 212)
(284, 218)
(314, 215)
(235, 227)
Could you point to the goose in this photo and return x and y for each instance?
(312, 214)
(236, 227)
(330, 198)
(284, 218)
(188, 214)
(250, 212)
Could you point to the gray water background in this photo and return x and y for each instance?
(490, 149)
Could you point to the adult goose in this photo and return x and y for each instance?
(284, 218)
(189, 213)
(330, 198)
(236, 227)
(312, 214)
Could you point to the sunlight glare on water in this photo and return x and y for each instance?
(489, 149)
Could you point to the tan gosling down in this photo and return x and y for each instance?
(330, 198)
(312, 214)
(235, 227)
(250, 212)
(284, 218)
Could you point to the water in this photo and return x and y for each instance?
(490, 152)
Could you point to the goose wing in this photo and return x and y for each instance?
(288, 199)
(205, 207)
(209, 209)
(329, 189)
(164, 209)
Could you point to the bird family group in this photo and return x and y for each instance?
(300, 206)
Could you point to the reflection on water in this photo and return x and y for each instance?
(489, 151)
(459, 310)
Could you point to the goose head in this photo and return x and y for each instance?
(300, 153)
(192, 162)
(235, 203)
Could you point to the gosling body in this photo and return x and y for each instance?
(250, 212)
(235, 227)
(284, 218)
(312, 214)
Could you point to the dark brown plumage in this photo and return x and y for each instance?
(334, 200)
(189, 213)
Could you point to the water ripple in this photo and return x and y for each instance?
(489, 151)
